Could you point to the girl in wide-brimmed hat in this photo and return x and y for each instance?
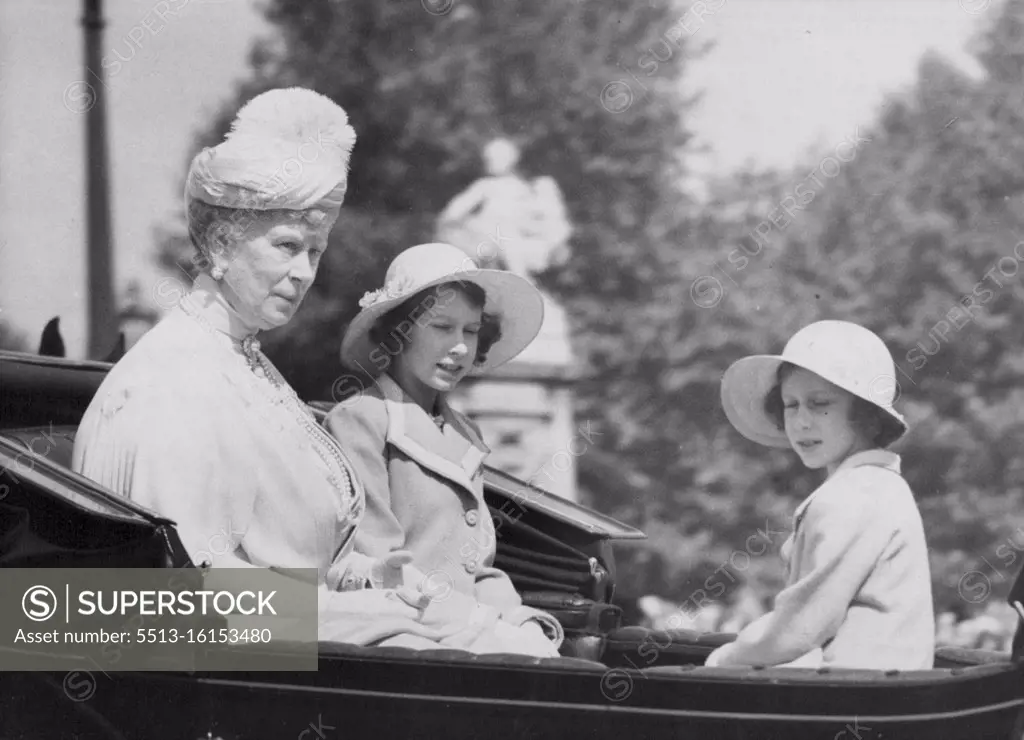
(437, 318)
(424, 282)
(858, 591)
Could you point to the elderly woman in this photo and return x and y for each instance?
(437, 318)
(197, 424)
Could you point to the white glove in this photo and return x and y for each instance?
(387, 572)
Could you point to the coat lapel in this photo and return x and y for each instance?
(879, 458)
(456, 455)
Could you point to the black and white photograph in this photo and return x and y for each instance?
(511, 369)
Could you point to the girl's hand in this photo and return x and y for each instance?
(387, 572)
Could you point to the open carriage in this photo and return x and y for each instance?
(614, 681)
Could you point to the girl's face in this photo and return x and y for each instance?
(817, 420)
(441, 347)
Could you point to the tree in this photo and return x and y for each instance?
(425, 90)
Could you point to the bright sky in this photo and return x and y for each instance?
(789, 75)
(786, 75)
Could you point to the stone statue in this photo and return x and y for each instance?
(505, 221)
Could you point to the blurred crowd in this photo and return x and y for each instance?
(991, 628)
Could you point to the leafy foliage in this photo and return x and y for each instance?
(425, 92)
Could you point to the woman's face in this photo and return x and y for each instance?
(817, 420)
(269, 270)
(441, 346)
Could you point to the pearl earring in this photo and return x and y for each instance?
(217, 273)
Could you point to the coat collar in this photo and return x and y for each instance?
(877, 457)
(207, 299)
(457, 454)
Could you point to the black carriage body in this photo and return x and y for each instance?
(615, 681)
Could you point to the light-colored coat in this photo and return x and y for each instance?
(858, 591)
(424, 493)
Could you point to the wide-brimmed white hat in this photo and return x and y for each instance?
(513, 300)
(845, 354)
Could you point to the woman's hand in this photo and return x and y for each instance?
(387, 572)
(538, 643)
(535, 629)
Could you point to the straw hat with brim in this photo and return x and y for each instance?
(846, 355)
(514, 300)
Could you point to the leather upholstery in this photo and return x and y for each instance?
(56, 443)
(342, 650)
(642, 648)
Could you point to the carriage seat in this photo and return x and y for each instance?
(56, 443)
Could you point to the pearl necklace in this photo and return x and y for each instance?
(263, 369)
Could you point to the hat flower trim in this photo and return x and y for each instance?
(397, 288)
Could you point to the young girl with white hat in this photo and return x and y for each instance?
(858, 592)
(437, 318)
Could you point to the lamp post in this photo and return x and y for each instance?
(102, 309)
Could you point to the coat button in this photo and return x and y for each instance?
(472, 517)
(471, 566)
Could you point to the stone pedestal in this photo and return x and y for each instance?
(525, 412)
(524, 408)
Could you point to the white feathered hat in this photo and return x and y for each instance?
(287, 148)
